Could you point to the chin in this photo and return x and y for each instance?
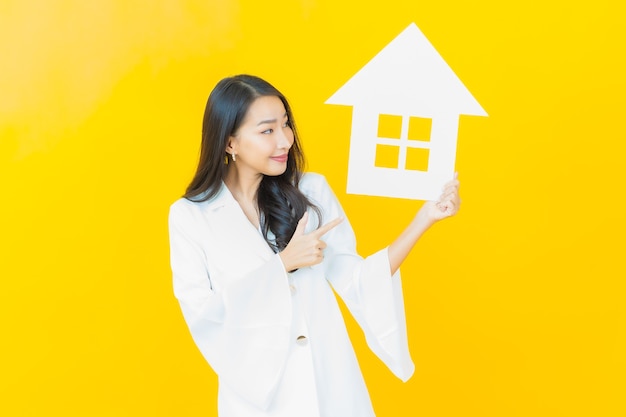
(275, 172)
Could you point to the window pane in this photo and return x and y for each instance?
(419, 128)
(389, 126)
(417, 159)
(387, 156)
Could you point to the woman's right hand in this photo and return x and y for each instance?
(306, 249)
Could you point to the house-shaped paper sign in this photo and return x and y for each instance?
(406, 106)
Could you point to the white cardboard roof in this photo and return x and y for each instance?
(408, 77)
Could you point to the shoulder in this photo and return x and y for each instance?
(316, 188)
(312, 180)
(184, 206)
(188, 213)
(183, 213)
(313, 184)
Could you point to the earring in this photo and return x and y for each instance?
(233, 155)
(225, 160)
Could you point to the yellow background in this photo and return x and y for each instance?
(515, 307)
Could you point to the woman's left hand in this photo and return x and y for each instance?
(447, 205)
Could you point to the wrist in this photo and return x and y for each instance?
(283, 259)
(423, 221)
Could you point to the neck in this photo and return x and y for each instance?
(243, 187)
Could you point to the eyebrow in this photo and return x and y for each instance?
(269, 121)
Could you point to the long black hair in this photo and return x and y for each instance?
(281, 204)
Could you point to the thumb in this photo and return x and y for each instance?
(301, 224)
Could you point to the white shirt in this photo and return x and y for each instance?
(277, 340)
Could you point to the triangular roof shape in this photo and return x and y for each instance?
(408, 76)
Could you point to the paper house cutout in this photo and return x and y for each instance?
(406, 87)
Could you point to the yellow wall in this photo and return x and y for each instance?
(515, 307)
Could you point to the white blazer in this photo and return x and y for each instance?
(277, 340)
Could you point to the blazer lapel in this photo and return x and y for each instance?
(236, 243)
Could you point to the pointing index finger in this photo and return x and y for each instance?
(327, 227)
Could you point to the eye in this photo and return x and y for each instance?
(267, 132)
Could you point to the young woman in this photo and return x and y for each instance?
(256, 246)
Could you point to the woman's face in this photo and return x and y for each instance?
(261, 144)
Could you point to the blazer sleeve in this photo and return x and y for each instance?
(373, 296)
(241, 328)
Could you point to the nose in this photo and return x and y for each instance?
(285, 139)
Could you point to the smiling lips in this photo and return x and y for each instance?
(280, 158)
